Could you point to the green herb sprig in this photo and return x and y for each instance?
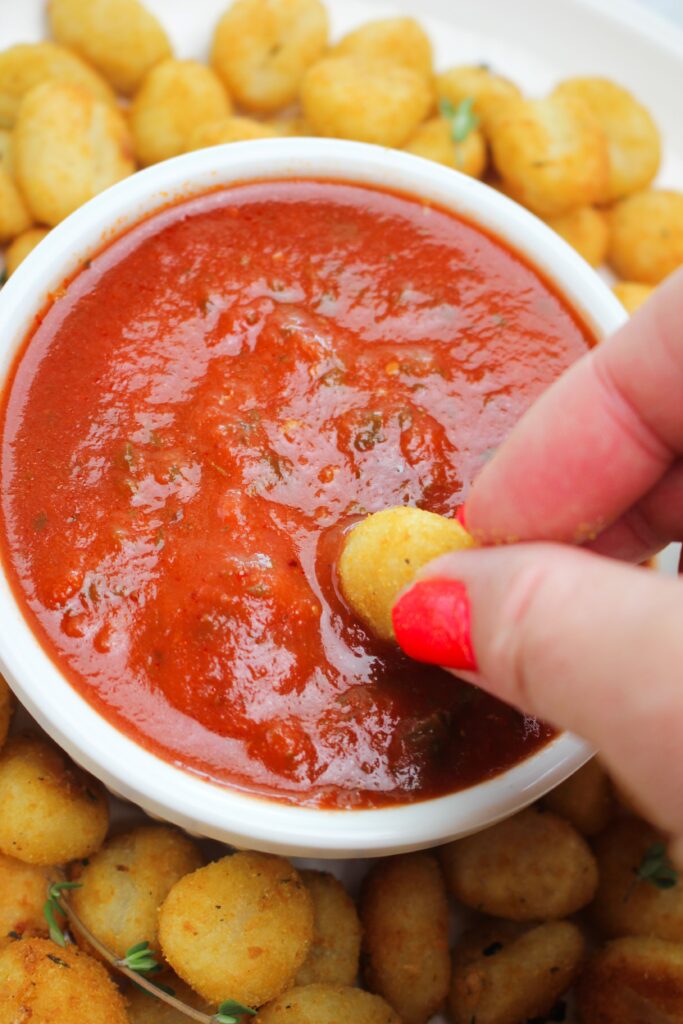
(462, 119)
(53, 908)
(656, 868)
(141, 959)
(231, 1012)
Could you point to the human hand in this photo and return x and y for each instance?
(567, 634)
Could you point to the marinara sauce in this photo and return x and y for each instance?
(195, 420)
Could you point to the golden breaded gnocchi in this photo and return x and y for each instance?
(45, 984)
(404, 911)
(646, 235)
(434, 140)
(531, 867)
(327, 1004)
(262, 48)
(22, 245)
(335, 949)
(505, 973)
(52, 812)
(6, 709)
(632, 295)
(23, 890)
(382, 554)
(142, 1009)
(633, 981)
(126, 881)
(121, 38)
(369, 101)
(397, 40)
(632, 135)
(27, 65)
(228, 129)
(625, 904)
(6, 150)
(551, 153)
(586, 799)
(488, 90)
(176, 98)
(253, 905)
(67, 148)
(586, 230)
(14, 213)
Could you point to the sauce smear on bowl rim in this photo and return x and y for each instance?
(195, 421)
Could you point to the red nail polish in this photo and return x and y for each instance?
(432, 623)
(460, 515)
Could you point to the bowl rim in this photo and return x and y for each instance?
(128, 769)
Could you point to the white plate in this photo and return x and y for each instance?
(534, 42)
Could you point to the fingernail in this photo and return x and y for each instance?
(432, 623)
(460, 515)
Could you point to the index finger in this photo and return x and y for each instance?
(596, 440)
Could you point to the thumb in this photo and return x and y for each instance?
(586, 643)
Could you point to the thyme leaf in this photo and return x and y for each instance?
(656, 868)
(462, 118)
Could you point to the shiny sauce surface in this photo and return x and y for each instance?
(196, 419)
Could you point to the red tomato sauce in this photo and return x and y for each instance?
(196, 419)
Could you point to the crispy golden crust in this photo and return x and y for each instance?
(586, 799)
(489, 91)
(327, 1004)
(52, 812)
(176, 98)
(397, 40)
(370, 101)
(229, 129)
(335, 949)
(126, 882)
(42, 983)
(16, 253)
(532, 867)
(262, 48)
(433, 140)
(23, 890)
(253, 905)
(121, 38)
(15, 216)
(633, 981)
(382, 554)
(504, 972)
(646, 235)
(404, 911)
(586, 230)
(625, 905)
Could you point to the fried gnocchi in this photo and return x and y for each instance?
(586, 799)
(327, 1004)
(551, 153)
(646, 236)
(23, 889)
(633, 981)
(15, 217)
(142, 1009)
(586, 230)
(52, 812)
(228, 129)
(121, 38)
(253, 905)
(27, 65)
(46, 984)
(335, 948)
(67, 148)
(262, 48)
(370, 101)
(488, 90)
(404, 911)
(434, 140)
(626, 904)
(632, 135)
(126, 881)
(504, 973)
(176, 98)
(531, 867)
(382, 554)
(632, 295)
(20, 248)
(397, 40)
(6, 709)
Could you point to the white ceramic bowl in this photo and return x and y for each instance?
(126, 768)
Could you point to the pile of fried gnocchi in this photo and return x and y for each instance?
(574, 893)
(107, 96)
